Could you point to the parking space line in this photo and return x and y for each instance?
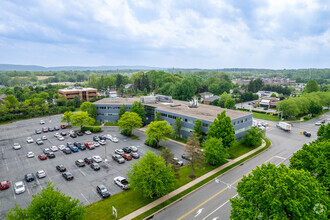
(85, 198)
(28, 189)
(280, 157)
(6, 164)
(95, 194)
(17, 161)
(82, 172)
(49, 178)
(39, 183)
(11, 183)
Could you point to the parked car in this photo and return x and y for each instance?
(88, 160)
(69, 144)
(29, 177)
(133, 148)
(127, 150)
(103, 191)
(79, 145)
(74, 149)
(39, 141)
(177, 161)
(90, 145)
(135, 155)
(61, 147)
(41, 174)
(114, 139)
(118, 158)
(50, 129)
(80, 163)
(322, 121)
(73, 135)
(102, 142)
(42, 157)
(63, 127)
(60, 138)
(44, 129)
(56, 128)
(63, 133)
(96, 144)
(38, 131)
(51, 155)
(127, 156)
(97, 159)
(67, 176)
(108, 136)
(54, 148)
(88, 132)
(119, 151)
(44, 138)
(185, 156)
(16, 146)
(42, 122)
(318, 123)
(102, 137)
(67, 150)
(95, 166)
(307, 134)
(61, 168)
(19, 187)
(46, 150)
(29, 140)
(57, 134)
(4, 185)
(96, 138)
(30, 154)
(79, 133)
(121, 182)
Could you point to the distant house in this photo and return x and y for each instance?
(268, 102)
(205, 95)
(210, 100)
(27, 85)
(2, 98)
(266, 93)
(129, 86)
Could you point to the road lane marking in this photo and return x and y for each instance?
(219, 207)
(85, 198)
(199, 212)
(27, 189)
(280, 157)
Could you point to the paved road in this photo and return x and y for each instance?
(212, 200)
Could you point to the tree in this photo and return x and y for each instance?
(150, 176)
(214, 151)
(138, 108)
(11, 102)
(253, 137)
(90, 108)
(50, 203)
(273, 95)
(222, 128)
(314, 158)
(315, 108)
(197, 130)
(324, 132)
(194, 153)
(66, 117)
(177, 127)
(311, 86)
(167, 155)
(255, 85)
(62, 101)
(159, 130)
(230, 103)
(77, 102)
(288, 107)
(81, 119)
(128, 121)
(279, 193)
(158, 116)
(122, 111)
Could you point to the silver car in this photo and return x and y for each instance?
(53, 148)
(19, 187)
(121, 182)
(41, 174)
(29, 140)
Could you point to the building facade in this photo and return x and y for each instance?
(108, 110)
(83, 93)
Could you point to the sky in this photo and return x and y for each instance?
(207, 34)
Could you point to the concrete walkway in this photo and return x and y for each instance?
(188, 185)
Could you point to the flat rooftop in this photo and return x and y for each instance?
(74, 89)
(205, 112)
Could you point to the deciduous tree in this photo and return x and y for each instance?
(159, 130)
(158, 116)
(11, 102)
(122, 111)
(214, 151)
(197, 130)
(129, 121)
(167, 155)
(324, 132)
(253, 137)
(89, 107)
(177, 127)
(311, 86)
(151, 176)
(81, 119)
(66, 117)
(194, 153)
(138, 108)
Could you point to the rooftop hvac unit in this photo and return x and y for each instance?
(193, 103)
(148, 99)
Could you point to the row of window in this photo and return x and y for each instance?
(112, 107)
(242, 130)
(182, 119)
(241, 121)
(108, 114)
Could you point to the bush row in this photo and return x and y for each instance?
(92, 129)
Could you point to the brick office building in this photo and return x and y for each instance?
(83, 93)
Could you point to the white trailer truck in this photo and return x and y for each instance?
(284, 126)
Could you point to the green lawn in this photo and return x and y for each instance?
(237, 150)
(265, 117)
(110, 124)
(182, 140)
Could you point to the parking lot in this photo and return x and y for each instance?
(14, 164)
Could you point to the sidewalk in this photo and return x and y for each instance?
(188, 185)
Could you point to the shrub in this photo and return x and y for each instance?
(125, 132)
(111, 124)
(307, 117)
(87, 129)
(97, 123)
(151, 142)
(96, 129)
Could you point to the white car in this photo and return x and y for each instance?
(44, 138)
(108, 136)
(96, 144)
(29, 140)
(30, 154)
(121, 182)
(42, 122)
(57, 134)
(102, 142)
(60, 138)
(61, 147)
(19, 187)
(133, 148)
(54, 148)
(115, 140)
(88, 132)
(41, 174)
(17, 146)
(97, 158)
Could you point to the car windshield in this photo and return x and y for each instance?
(124, 182)
(104, 190)
(41, 172)
(20, 185)
(16, 144)
(68, 174)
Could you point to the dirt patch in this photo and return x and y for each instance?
(44, 77)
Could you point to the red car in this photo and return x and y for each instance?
(63, 126)
(42, 157)
(44, 129)
(127, 156)
(4, 185)
(90, 145)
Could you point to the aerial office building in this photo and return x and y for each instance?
(83, 93)
(108, 109)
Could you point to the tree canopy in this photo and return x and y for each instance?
(214, 151)
(138, 108)
(159, 130)
(89, 107)
(194, 153)
(150, 176)
(129, 121)
(197, 130)
(81, 119)
(122, 111)
(311, 86)
(324, 132)
(66, 117)
(253, 137)
(177, 127)
(279, 193)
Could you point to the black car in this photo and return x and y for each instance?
(50, 129)
(79, 133)
(102, 137)
(29, 177)
(323, 121)
(50, 155)
(307, 134)
(61, 168)
(38, 131)
(96, 138)
(69, 144)
(63, 133)
(67, 176)
(95, 166)
(80, 163)
(103, 191)
(73, 135)
(127, 150)
(56, 128)
(88, 160)
(67, 150)
(82, 147)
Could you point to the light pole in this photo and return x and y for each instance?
(105, 153)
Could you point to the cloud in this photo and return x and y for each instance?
(187, 33)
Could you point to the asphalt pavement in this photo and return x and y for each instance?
(212, 200)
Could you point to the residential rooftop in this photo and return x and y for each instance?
(205, 112)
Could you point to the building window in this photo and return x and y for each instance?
(234, 123)
(163, 114)
(205, 125)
